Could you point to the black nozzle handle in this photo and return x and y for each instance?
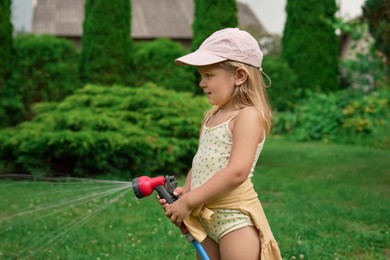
(170, 198)
(165, 194)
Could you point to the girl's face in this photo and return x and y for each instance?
(217, 84)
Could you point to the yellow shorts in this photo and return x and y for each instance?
(225, 221)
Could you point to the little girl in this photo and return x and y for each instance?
(218, 203)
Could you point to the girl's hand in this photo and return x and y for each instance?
(177, 192)
(178, 210)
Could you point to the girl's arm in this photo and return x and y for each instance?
(187, 184)
(247, 133)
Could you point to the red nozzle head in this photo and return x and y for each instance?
(143, 186)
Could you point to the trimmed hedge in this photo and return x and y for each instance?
(100, 130)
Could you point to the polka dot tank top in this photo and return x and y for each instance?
(215, 145)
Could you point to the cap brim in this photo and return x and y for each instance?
(199, 58)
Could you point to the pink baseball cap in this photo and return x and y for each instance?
(226, 44)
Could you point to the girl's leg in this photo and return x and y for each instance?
(211, 248)
(243, 243)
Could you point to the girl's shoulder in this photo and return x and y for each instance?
(249, 112)
(247, 117)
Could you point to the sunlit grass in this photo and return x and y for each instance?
(322, 201)
(326, 201)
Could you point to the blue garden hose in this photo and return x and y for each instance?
(200, 249)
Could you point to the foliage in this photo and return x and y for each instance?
(365, 71)
(5, 42)
(12, 109)
(363, 68)
(106, 42)
(348, 116)
(101, 130)
(377, 13)
(344, 214)
(46, 69)
(211, 16)
(310, 45)
(154, 62)
(282, 92)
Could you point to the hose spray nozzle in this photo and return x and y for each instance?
(144, 186)
(165, 185)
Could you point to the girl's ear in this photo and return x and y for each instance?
(240, 77)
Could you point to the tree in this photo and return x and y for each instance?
(10, 103)
(106, 42)
(377, 13)
(310, 44)
(211, 16)
(5, 41)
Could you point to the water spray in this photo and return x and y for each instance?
(165, 185)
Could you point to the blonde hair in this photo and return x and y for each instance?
(250, 94)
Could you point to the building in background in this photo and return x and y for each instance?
(151, 19)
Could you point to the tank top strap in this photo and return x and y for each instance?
(236, 114)
(206, 120)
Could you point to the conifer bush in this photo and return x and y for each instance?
(6, 41)
(310, 44)
(118, 131)
(11, 107)
(154, 62)
(106, 43)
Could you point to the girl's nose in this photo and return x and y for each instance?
(202, 84)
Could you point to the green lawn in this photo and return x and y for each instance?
(323, 201)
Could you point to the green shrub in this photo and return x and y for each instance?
(283, 92)
(367, 119)
(101, 130)
(12, 110)
(377, 14)
(154, 62)
(348, 116)
(46, 69)
(310, 44)
(6, 42)
(106, 42)
(363, 67)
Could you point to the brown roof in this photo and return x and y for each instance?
(150, 18)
